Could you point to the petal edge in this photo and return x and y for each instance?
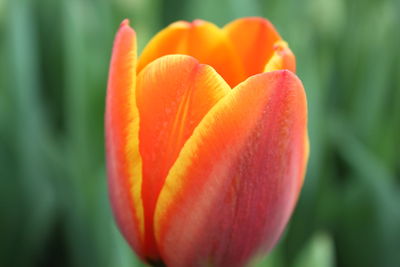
(121, 130)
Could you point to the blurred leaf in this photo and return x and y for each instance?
(370, 215)
(319, 252)
(272, 259)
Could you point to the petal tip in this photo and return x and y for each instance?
(289, 75)
(286, 73)
(253, 19)
(183, 24)
(126, 30)
(125, 22)
(197, 22)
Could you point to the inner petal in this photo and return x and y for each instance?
(173, 94)
(201, 40)
(253, 39)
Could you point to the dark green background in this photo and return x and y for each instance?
(54, 58)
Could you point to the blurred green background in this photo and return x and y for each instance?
(54, 209)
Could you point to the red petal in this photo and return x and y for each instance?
(236, 181)
(121, 127)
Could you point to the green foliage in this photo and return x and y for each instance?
(55, 56)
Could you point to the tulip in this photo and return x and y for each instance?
(206, 141)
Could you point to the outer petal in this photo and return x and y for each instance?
(173, 95)
(200, 39)
(253, 39)
(122, 150)
(237, 178)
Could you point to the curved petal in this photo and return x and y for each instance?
(283, 58)
(236, 180)
(201, 40)
(173, 94)
(253, 39)
(121, 128)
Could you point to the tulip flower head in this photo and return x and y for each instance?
(206, 141)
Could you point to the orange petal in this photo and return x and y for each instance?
(282, 58)
(121, 127)
(173, 94)
(253, 39)
(201, 40)
(237, 178)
